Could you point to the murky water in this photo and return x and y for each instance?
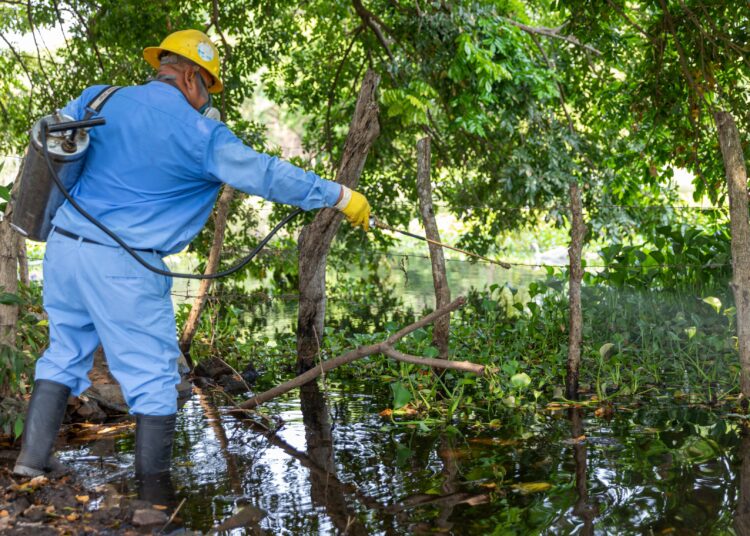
(337, 467)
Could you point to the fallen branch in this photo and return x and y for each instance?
(385, 347)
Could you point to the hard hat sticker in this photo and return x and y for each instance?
(205, 51)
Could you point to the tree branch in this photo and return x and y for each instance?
(368, 19)
(630, 21)
(693, 87)
(19, 60)
(385, 347)
(92, 41)
(334, 85)
(553, 33)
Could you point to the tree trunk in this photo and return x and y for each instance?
(577, 234)
(9, 272)
(220, 224)
(23, 261)
(736, 173)
(441, 330)
(315, 239)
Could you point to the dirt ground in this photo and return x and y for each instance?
(58, 504)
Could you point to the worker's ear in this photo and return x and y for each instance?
(188, 78)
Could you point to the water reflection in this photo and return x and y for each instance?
(335, 467)
(742, 515)
(326, 490)
(582, 509)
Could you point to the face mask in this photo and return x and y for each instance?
(209, 111)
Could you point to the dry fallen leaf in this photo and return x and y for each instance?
(532, 487)
(71, 517)
(4, 513)
(50, 509)
(38, 481)
(82, 498)
(387, 412)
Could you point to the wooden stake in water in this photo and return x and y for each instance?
(374, 222)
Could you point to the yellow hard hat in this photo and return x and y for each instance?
(193, 45)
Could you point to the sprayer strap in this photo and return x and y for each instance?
(96, 104)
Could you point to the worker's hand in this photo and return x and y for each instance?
(355, 207)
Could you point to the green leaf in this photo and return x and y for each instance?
(7, 298)
(713, 302)
(606, 350)
(520, 380)
(401, 395)
(18, 427)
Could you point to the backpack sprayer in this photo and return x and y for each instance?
(53, 165)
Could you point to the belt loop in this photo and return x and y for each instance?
(52, 231)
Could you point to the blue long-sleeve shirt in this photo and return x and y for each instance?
(154, 169)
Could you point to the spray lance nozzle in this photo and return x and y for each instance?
(376, 223)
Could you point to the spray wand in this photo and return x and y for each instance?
(375, 222)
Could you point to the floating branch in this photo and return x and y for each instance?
(385, 347)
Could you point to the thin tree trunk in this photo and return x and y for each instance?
(440, 333)
(23, 261)
(220, 224)
(315, 239)
(736, 173)
(9, 272)
(577, 234)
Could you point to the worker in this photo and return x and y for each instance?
(152, 175)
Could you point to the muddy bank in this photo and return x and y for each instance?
(60, 504)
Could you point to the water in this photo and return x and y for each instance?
(405, 284)
(337, 467)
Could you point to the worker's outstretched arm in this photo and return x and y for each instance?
(234, 163)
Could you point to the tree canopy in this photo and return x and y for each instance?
(520, 98)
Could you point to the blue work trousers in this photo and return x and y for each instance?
(99, 294)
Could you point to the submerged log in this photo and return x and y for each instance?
(316, 238)
(385, 347)
(736, 174)
(440, 333)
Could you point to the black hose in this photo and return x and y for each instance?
(241, 264)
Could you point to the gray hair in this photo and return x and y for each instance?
(169, 58)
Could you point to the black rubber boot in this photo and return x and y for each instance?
(157, 490)
(46, 410)
(154, 435)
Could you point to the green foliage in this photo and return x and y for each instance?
(17, 362)
(679, 257)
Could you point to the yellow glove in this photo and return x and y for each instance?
(355, 207)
